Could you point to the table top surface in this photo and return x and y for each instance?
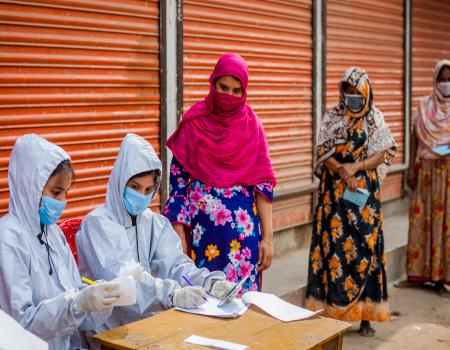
(255, 329)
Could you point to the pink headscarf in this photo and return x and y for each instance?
(220, 140)
(432, 120)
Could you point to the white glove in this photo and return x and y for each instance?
(221, 288)
(189, 297)
(98, 297)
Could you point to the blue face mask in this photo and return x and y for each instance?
(50, 210)
(135, 202)
(355, 103)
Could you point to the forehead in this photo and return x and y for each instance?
(444, 72)
(230, 81)
(61, 179)
(147, 180)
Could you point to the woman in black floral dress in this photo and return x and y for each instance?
(347, 275)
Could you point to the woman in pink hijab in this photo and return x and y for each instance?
(429, 179)
(222, 179)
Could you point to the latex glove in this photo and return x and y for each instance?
(221, 288)
(98, 297)
(189, 297)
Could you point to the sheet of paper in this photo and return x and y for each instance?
(215, 343)
(13, 336)
(233, 309)
(277, 307)
(442, 150)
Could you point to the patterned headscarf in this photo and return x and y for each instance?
(432, 119)
(333, 131)
(358, 78)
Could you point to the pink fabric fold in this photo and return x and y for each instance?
(220, 140)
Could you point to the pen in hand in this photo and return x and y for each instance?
(190, 283)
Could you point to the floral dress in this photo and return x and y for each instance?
(347, 275)
(224, 224)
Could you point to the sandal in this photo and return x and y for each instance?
(441, 290)
(366, 330)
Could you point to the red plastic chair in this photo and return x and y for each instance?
(70, 228)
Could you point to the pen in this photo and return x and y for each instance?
(88, 281)
(190, 283)
(237, 287)
(91, 282)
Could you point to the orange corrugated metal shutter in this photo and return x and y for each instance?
(82, 74)
(430, 43)
(275, 38)
(370, 34)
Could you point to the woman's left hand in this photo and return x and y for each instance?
(265, 255)
(352, 184)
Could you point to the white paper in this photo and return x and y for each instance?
(13, 336)
(277, 307)
(128, 283)
(215, 343)
(232, 309)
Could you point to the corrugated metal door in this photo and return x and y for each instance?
(430, 43)
(370, 34)
(82, 74)
(275, 38)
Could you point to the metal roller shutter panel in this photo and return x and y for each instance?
(275, 38)
(370, 34)
(82, 74)
(430, 44)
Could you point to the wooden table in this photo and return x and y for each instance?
(255, 329)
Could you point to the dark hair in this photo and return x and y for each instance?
(156, 173)
(65, 165)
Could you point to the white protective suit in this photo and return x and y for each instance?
(41, 302)
(107, 239)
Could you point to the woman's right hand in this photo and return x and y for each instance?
(98, 297)
(411, 178)
(352, 183)
(179, 229)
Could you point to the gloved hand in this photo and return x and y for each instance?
(98, 297)
(189, 297)
(221, 288)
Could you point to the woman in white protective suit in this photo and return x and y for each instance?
(40, 286)
(124, 229)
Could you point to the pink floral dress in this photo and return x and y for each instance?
(224, 224)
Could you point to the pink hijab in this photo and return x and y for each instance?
(220, 140)
(432, 120)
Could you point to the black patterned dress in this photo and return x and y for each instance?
(347, 275)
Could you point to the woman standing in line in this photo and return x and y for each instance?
(222, 179)
(429, 179)
(347, 276)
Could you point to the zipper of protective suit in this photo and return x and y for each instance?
(134, 223)
(47, 246)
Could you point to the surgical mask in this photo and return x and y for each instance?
(355, 103)
(50, 210)
(444, 88)
(135, 202)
